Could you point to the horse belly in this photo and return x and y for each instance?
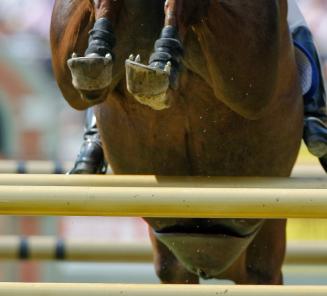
(229, 145)
(198, 136)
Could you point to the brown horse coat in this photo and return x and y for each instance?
(237, 112)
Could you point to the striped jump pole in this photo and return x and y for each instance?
(52, 248)
(163, 202)
(34, 167)
(23, 289)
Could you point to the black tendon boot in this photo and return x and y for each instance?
(102, 39)
(168, 50)
(315, 113)
(90, 159)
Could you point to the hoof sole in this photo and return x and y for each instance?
(147, 84)
(91, 73)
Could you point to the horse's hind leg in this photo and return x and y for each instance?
(168, 268)
(149, 84)
(92, 74)
(265, 255)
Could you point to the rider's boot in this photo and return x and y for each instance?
(90, 159)
(315, 113)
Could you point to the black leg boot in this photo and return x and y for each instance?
(102, 39)
(90, 159)
(315, 113)
(168, 49)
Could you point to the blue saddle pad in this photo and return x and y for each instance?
(308, 70)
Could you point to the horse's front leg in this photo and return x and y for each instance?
(149, 83)
(92, 73)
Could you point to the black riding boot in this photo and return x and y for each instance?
(90, 159)
(315, 113)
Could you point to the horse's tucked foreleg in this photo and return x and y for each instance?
(168, 268)
(149, 84)
(168, 48)
(102, 39)
(107, 9)
(92, 74)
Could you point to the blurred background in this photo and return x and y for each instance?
(37, 124)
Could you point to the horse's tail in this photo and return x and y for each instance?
(71, 21)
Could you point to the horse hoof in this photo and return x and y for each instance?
(91, 74)
(148, 85)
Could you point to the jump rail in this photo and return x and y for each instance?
(281, 200)
(162, 181)
(52, 248)
(164, 202)
(34, 166)
(58, 167)
(14, 289)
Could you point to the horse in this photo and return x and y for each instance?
(237, 111)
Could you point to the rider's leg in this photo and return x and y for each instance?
(315, 113)
(90, 159)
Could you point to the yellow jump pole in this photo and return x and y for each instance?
(163, 202)
(161, 181)
(15, 289)
(52, 248)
